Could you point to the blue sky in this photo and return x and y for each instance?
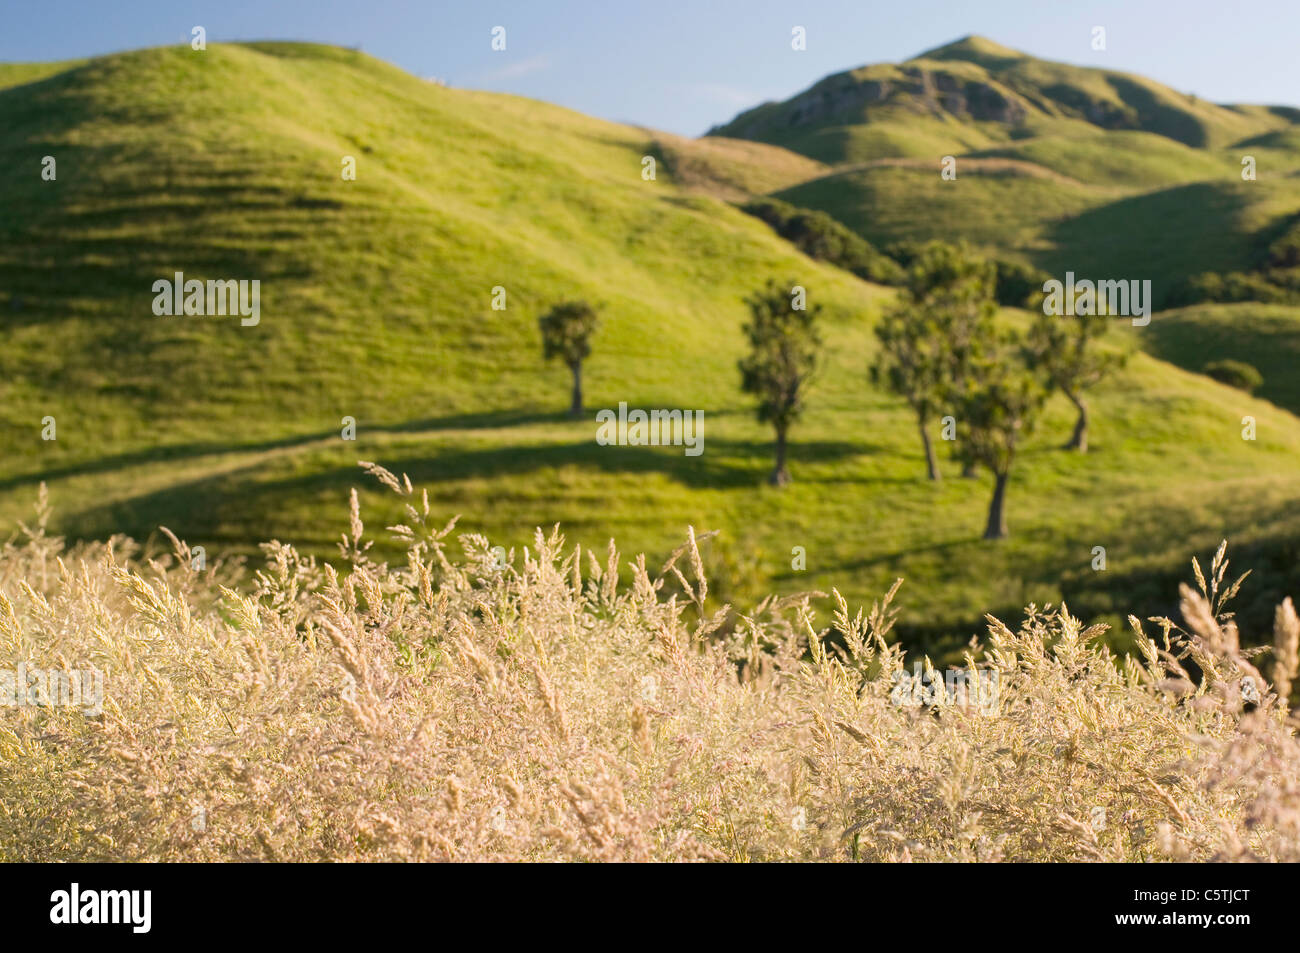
(684, 65)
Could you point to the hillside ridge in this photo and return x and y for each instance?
(1001, 94)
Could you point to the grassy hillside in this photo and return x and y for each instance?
(16, 74)
(975, 89)
(376, 293)
(1121, 160)
(1042, 216)
(376, 304)
(731, 169)
(995, 205)
(1265, 336)
(1064, 167)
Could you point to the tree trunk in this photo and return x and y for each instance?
(997, 525)
(1079, 441)
(968, 470)
(931, 463)
(575, 408)
(780, 475)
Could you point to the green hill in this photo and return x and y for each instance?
(973, 93)
(1021, 210)
(1267, 337)
(1068, 168)
(1123, 161)
(376, 304)
(998, 205)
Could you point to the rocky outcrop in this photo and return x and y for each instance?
(846, 98)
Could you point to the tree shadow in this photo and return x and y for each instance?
(238, 495)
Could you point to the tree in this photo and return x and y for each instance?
(783, 355)
(566, 334)
(1060, 345)
(819, 236)
(998, 409)
(911, 363)
(932, 339)
(1018, 285)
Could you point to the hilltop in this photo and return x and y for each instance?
(978, 93)
(1061, 166)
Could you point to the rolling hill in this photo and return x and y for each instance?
(1265, 336)
(975, 92)
(377, 305)
(1065, 167)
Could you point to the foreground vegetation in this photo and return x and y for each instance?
(575, 705)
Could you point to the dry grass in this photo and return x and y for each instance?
(733, 170)
(450, 710)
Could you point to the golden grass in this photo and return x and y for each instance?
(570, 706)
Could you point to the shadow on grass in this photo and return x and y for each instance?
(1145, 236)
(1150, 589)
(199, 507)
(170, 453)
(720, 465)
